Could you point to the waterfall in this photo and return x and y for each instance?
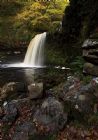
(35, 52)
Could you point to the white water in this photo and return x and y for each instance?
(35, 53)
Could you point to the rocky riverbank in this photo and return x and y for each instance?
(30, 112)
(90, 54)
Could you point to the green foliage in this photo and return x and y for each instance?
(93, 120)
(25, 19)
(77, 64)
(10, 8)
(54, 55)
(86, 79)
(42, 23)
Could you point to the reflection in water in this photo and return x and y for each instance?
(17, 75)
(33, 75)
(26, 75)
(11, 70)
(18, 72)
(29, 75)
(49, 76)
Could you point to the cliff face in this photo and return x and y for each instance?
(80, 19)
(80, 22)
(90, 54)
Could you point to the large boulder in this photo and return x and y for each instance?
(71, 85)
(50, 118)
(21, 106)
(90, 69)
(24, 131)
(77, 96)
(90, 50)
(35, 90)
(90, 44)
(13, 90)
(90, 54)
(10, 112)
(16, 118)
(82, 99)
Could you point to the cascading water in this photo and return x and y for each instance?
(35, 54)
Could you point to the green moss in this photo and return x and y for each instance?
(86, 79)
(77, 64)
(93, 120)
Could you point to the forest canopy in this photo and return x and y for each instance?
(21, 20)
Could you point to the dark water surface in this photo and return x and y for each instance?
(48, 75)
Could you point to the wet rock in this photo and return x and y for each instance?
(10, 112)
(69, 83)
(79, 97)
(20, 103)
(50, 117)
(69, 88)
(49, 93)
(35, 90)
(18, 114)
(88, 96)
(90, 69)
(24, 105)
(90, 54)
(84, 98)
(90, 43)
(12, 90)
(90, 88)
(85, 103)
(24, 131)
